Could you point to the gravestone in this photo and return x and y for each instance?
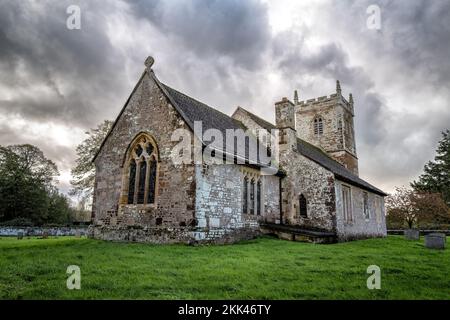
(45, 235)
(435, 241)
(77, 233)
(412, 234)
(20, 235)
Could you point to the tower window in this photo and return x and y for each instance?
(318, 126)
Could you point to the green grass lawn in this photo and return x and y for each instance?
(265, 268)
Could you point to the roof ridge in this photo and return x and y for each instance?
(258, 117)
(321, 150)
(351, 176)
(203, 104)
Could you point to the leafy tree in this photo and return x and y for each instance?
(59, 210)
(436, 176)
(432, 208)
(27, 188)
(84, 171)
(26, 176)
(400, 206)
(413, 208)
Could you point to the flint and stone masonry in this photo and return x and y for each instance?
(142, 195)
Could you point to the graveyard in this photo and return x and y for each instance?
(265, 268)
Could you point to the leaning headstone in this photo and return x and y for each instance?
(77, 233)
(435, 241)
(44, 235)
(412, 234)
(20, 235)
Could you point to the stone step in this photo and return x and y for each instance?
(297, 233)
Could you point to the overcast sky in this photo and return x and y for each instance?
(56, 83)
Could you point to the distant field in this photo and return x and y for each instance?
(260, 269)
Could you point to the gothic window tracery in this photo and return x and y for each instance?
(252, 196)
(142, 166)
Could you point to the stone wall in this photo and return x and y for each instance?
(271, 198)
(39, 231)
(316, 184)
(148, 111)
(360, 227)
(219, 203)
(338, 129)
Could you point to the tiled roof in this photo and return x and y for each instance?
(319, 156)
(342, 173)
(193, 110)
(259, 121)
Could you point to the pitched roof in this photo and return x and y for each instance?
(342, 173)
(193, 110)
(321, 157)
(259, 121)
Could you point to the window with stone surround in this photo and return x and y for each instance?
(366, 205)
(142, 169)
(303, 206)
(318, 126)
(245, 196)
(347, 203)
(258, 198)
(252, 196)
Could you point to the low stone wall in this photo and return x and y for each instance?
(160, 235)
(422, 232)
(39, 231)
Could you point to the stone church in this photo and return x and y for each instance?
(315, 194)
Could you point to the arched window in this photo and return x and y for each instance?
(258, 198)
(131, 181)
(152, 182)
(303, 206)
(245, 196)
(142, 166)
(142, 176)
(252, 197)
(318, 126)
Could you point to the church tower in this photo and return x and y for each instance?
(327, 122)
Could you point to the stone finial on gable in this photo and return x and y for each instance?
(295, 97)
(149, 63)
(350, 99)
(338, 87)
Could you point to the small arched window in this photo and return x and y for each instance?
(142, 169)
(303, 206)
(252, 197)
(318, 126)
(258, 198)
(245, 196)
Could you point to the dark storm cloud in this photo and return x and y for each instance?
(238, 30)
(62, 74)
(222, 52)
(414, 33)
(413, 47)
(330, 62)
